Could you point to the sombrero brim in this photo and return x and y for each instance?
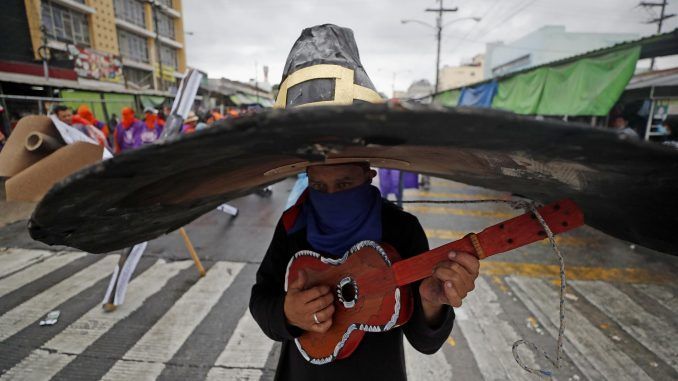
(625, 188)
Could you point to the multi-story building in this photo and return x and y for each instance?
(105, 53)
(146, 35)
(452, 77)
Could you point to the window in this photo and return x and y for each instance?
(169, 56)
(141, 78)
(165, 25)
(132, 11)
(64, 24)
(132, 46)
(167, 3)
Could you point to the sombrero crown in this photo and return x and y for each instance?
(323, 68)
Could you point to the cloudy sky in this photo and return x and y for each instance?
(230, 38)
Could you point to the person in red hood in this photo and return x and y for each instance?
(127, 133)
(85, 113)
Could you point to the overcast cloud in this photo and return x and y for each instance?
(227, 38)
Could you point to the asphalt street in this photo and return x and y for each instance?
(621, 306)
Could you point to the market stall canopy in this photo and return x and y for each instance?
(585, 84)
(625, 188)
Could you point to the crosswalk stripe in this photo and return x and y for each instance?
(489, 335)
(234, 374)
(145, 361)
(45, 362)
(655, 334)
(663, 295)
(247, 348)
(422, 367)
(15, 259)
(33, 309)
(36, 271)
(596, 356)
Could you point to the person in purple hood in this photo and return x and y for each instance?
(127, 134)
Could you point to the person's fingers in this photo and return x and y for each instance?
(313, 293)
(325, 314)
(298, 283)
(468, 261)
(458, 278)
(451, 295)
(322, 327)
(320, 303)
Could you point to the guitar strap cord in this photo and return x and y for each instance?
(530, 207)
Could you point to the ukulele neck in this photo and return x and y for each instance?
(560, 216)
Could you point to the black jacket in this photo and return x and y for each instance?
(379, 356)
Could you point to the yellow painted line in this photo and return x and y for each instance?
(448, 184)
(451, 341)
(410, 194)
(424, 209)
(535, 270)
(451, 235)
(533, 322)
(499, 282)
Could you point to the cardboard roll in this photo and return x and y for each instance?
(626, 188)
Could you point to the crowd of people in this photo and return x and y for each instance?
(129, 132)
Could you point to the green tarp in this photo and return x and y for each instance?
(589, 86)
(448, 98)
(75, 98)
(115, 103)
(151, 101)
(521, 93)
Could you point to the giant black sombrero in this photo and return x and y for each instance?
(626, 188)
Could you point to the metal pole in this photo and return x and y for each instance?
(650, 115)
(439, 31)
(401, 188)
(438, 38)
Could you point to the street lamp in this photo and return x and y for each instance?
(439, 30)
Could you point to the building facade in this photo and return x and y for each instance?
(547, 44)
(452, 77)
(147, 35)
(128, 44)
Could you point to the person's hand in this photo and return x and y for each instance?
(451, 281)
(311, 309)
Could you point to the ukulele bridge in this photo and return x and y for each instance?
(347, 292)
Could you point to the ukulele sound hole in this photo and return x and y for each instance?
(347, 292)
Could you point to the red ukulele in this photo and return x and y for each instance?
(370, 279)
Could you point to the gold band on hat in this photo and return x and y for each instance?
(345, 91)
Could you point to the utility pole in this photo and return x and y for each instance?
(659, 21)
(439, 32)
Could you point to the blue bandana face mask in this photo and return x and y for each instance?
(337, 221)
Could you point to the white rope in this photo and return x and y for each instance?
(529, 207)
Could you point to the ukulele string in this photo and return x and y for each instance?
(528, 206)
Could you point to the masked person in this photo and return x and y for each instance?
(339, 209)
(85, 113)
(127, 133)
(152, 129)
